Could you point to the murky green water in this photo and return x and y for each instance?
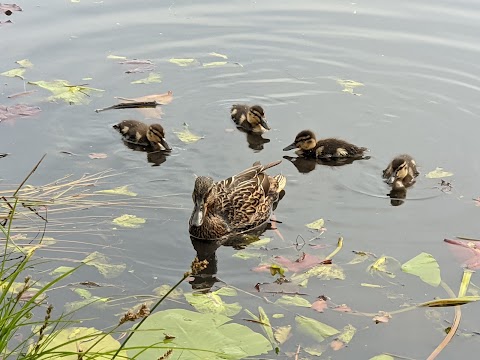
(418, 62)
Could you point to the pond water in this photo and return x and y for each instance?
(419, 64)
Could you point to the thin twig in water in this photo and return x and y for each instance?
(29, 174)
(130, 105)
(297, 353)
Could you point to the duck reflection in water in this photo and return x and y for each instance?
(305, 165)
(154, 155)
(400, 174)
(397, 195)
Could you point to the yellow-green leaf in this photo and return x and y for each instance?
(278, 316)
(347, 334)
(438, 173)
(163, 289)
(425, 267)
(349, 86)
(104, 265)
(382, 357)
(293, 300)
(130, 221)
(316, 225)
(15, 72)
(152, 78)
(84, 293)
(283, 333)
(315, 329)
(61, 270)
(218, 55)
(385, 265)
(450, 302)
(371, 285)
(63, 90)
(116, 57)
(182, 62)
(214, 63)
(323, 272)
(212, 303)
(121, 190)
(25, 63)
(187, 136)
(264, 321)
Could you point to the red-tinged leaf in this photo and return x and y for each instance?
(318, 246)
(467, 252)
(305, 262)
(336, 345)
(12, 112)
(382, 317)
(7, 9)
(262, 268)
(154, 113)
(97, 156)
(342, 308)
(319, 305)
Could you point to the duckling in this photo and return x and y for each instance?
(142, 134)
(330, 148)
(249, 118)
(235, 205)
(401, 172)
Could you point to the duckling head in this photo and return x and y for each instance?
(400, 171)
(156, 135)
(305, 140)
(203, 193)
(256, 116)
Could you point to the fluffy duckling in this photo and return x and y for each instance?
(249, 118)
(143, 134)
(401, 172)
(330, 148)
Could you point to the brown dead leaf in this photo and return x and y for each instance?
(154, 113)
(304, 262)
(14, 111)
(342, 308)
(97, 156)
(336, 345)
(319, 305)
(382, 317)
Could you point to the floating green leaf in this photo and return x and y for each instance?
(323, 272)
(183, 62)
(130, 221)
(187, 136)
(14, 73)
(385, 265)
(347, 334)
(425, 267)
(293, 300)
(84, 293)
(63, 342)
(212, 302)
(283, 333)
(315, 329)
(104, 265)
(163, 289)
(316, 225)
(314, 350)
(278, 316)
(218, 55)
(215, 63)
(121, 190)
(63, 90)
(349, 85)
(25, 63)
(152, 78)
(61, 270)
(382, 357)
(438, 173)
(247, 254)
(219, 340)
(94, 301)
(264, 321)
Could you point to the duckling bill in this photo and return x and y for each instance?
(401, 172)
(249, 118)
(308, 146)
(235, 205)
(143, 134)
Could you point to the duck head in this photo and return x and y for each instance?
(400, 171)
(256, 116)
(305, 140)
(203, 191)
(156, 135)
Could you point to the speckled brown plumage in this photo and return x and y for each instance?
(401, 171)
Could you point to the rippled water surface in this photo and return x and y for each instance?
(418, 62)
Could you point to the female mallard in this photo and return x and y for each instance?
(330, 148)
(142, 134)
(401, 172)
(249, 118)
(235, 205)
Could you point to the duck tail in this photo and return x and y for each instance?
(281, 182)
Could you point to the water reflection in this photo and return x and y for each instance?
(154, 156)
(397, 196)
(305, 165)
(255, 141)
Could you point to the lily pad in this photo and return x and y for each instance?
(213, 303)
(438, 173)
(187, 136)
(129, 221)
(219, 339)
(293, 300)
(63, 90)
(425, 267)
(316, 225)
(121, 190)
(61, 270)
(152, 78)
(104, 265)
(315, 329)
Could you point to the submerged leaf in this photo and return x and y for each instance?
(218, 55)
(104, 265)
(183, 62)
(219, 339)
(14, 73)
(63, 90)
(315, 329)
(214, 64)
(293, 300)
(152, 78)
(25, 63)
(121, 190)
(323, 272)
(283, 333)
(61, 270)
(438, 173)
(212, 303)
(11, 112)
(382, 357)
(187, 136)
(425, 267)
(163, 289)
(349, 85)
(316, 225)
(130, 221)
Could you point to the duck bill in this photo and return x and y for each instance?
(392, 178)
(290, 147)
(264, 124)
(165, 145)
(197, 216)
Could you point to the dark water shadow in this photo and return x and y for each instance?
(397, 196)
(255, 141)
(305, 165)
(154, 156)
